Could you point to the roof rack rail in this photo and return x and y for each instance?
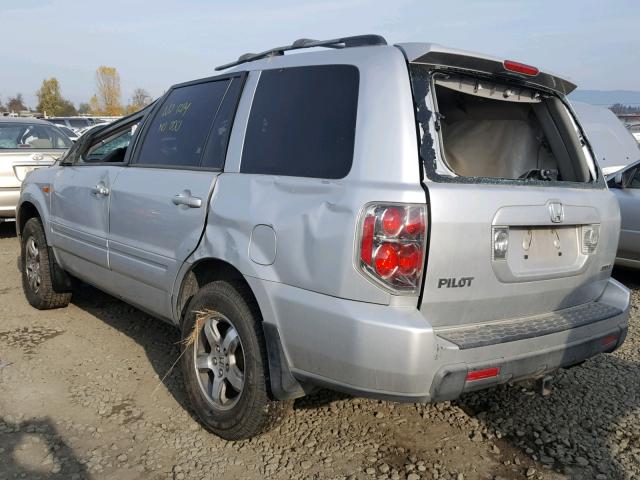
(345, 42)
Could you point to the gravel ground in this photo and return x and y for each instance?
(82, 395)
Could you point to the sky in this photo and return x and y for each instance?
(155, 44)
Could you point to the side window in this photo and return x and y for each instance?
(302, 122)
(177, 134)
(216, 149)
(111, 149)
(635, 181)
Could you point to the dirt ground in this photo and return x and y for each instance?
(83, 395)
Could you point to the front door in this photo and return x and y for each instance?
(80, 202)
(159, 203)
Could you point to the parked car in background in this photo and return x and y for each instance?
(635, 131)
(618, 155)
(74, 123)
(625, 184)
(73, 135)
(406, 222)
(25, 145)
(612, 142)
(92, 128)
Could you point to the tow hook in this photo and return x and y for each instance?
(545, 384)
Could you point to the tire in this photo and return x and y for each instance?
(229, 388)
(36, 267)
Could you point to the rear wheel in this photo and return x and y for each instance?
(224, 363)
(37, 266)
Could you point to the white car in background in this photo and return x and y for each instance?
(74, 123)
(615, 147)
(26, 144)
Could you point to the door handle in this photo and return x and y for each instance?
(100, 190)
(185, 198)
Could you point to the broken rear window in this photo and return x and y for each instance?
(486, 129)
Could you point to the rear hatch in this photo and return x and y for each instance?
(521, 221)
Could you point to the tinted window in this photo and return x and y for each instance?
(179, 130)
(302, 122)
(216, 149)
(78, 122)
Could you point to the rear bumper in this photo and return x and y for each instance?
(392, 352)
(8, 200)
(451, 380)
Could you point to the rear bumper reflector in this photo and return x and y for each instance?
(482, 374)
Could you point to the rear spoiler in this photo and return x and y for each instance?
(438, 56)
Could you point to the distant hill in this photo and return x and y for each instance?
(607, 97)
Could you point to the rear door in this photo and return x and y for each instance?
(159, 204)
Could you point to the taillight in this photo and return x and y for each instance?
(518, 67)
(392, 245)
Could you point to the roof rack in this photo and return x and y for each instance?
(345, 42)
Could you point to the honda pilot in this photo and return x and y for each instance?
(407, 222)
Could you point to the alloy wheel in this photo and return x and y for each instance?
(32, 264)
(219, 361)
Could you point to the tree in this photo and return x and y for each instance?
(139, 100)
(50, 100)
(619, 108)
(84, 107)
(67, 109)
(106, 101)
(16, 104)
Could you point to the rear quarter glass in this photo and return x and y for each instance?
(302, 122)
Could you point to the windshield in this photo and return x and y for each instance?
(30, 136)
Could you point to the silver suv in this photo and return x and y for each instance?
(405, 222)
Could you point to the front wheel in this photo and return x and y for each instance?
(224, 363)
(37, 279)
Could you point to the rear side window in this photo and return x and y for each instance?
(178, 133)
(302, 122)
